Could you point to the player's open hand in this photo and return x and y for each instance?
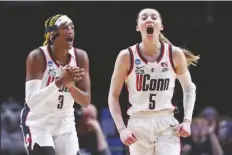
(184, 129)
(127, 136)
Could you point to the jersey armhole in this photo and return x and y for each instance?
(171, 57)
(75, 53)
(44, 59)
(131, 61)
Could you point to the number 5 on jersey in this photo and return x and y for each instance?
(152, 101)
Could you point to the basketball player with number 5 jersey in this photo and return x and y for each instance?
(149, 70)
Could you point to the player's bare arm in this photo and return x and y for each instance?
(35, 65)
(82, 92)
(121, 69)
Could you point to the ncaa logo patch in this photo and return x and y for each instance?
(137, 61)
(50, 63)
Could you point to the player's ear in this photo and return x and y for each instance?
(137, 28)
(162, 27)
(51, 36)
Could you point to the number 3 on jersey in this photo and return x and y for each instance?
(61, 102)
(152, 101)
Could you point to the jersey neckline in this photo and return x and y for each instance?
(52, 58)
(144, 59)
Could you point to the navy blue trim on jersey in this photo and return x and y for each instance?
(45, 60)
(171, 57)
(25, 129)
(75, 53)
(53, 59)
(131, 61)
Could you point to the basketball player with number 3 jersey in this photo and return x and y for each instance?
(149, 70)
(57, 74)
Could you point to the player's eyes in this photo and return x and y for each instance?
(144, 17)
(154, 17)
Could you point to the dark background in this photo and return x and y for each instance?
(105, 28)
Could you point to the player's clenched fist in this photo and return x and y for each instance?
(127, 136)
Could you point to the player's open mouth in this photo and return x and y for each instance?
(150, 30)
(70, 39)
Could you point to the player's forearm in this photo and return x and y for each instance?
(116, 113)
(189, 103)
(80, 97)
(189, 95)
(35, 94)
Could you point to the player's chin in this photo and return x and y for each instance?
(69, 45)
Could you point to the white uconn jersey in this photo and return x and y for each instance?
(151, 85)
(61, 100)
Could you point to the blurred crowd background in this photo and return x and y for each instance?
(103, 29)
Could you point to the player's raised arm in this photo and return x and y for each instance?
(189, 88)
(121, 69)
(82, 93)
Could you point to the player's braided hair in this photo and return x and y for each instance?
(50, 27)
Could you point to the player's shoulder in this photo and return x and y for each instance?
(80, 52)
(178, 54)
(177, 51)
(81, 55)
(125, 55)
(36, 54)
(126, 52)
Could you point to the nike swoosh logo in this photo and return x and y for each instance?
(139, 67)
(172, 125)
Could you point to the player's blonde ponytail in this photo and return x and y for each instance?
(190, 57)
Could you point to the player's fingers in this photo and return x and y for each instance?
(133, 135)
(184, 133)
(77, 69)
(126, 143)
(132, 139)
(78, 74)
(129, 142)
(77, 79)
